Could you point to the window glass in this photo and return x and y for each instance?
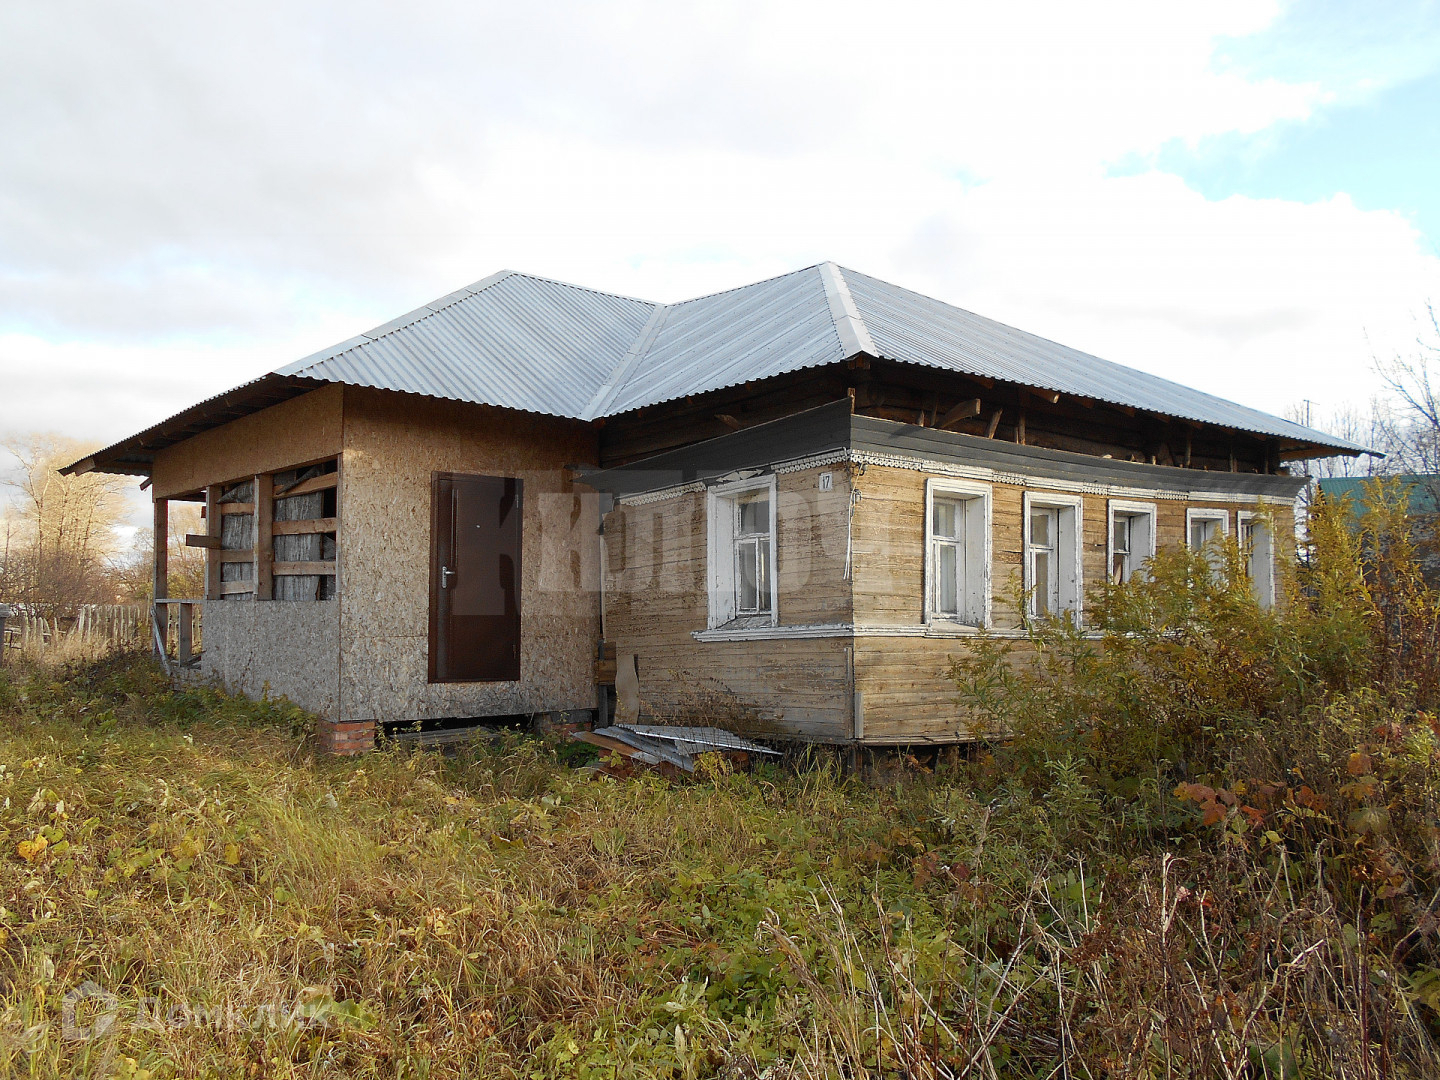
(1120, 557)
(754, 514)
(947, 514)
(948, 553)
(1044, 527)
(752, 554)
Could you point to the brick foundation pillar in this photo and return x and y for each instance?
(345, 737)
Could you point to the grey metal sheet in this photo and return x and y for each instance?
(519, 342)
(537, 345)
(754, 332)
(916, 329)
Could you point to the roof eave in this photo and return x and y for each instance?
(135, 456)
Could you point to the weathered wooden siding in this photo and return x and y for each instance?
(392, 445)
(656, 599)
(903, 680)
(295, 432)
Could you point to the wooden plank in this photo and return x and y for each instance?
(185, 633)
(241, 556)
(315, 483)
(201, 540)
(994, 423)
(237, 508)
(298, 528)
(264, 544)
(236, 588)
(213, 524)
(964, 411)
(303, 569)
(161, 580)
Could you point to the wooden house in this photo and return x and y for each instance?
(782, 506)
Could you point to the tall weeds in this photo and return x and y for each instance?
(1210, 849)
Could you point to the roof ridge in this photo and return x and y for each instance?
(849, 324)
(626, 364)
(583, 288)
(400, 322)
(747, 285)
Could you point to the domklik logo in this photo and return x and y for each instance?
(88, 1012)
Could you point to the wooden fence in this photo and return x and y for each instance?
(94, 628)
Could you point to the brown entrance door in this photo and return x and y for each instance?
(475, 579)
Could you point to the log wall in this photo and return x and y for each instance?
(656, 600)
(903, 680)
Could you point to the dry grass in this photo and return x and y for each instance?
(257, 912)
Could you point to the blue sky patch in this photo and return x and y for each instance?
(1384, 152)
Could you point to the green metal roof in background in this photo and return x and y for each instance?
(1424, 490)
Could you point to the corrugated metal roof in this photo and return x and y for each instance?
(537, 345)
(512, 340)
(754, 332)
(1421, 489)
(915, 329)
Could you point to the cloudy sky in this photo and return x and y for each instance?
(1241, 196)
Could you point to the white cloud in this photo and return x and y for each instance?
(197, 194)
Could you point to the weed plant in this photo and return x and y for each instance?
(1206, 848)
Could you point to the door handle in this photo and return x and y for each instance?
(445, 575)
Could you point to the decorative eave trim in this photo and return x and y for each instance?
(961, 472)
(939, 629)
(1038, 480)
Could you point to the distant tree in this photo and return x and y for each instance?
(58, 535)
(1413, 433)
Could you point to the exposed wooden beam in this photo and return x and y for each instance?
(302, 569)
(306, 487)
(963, 411)
(1049, 397)
(729, 421)
(301, 528)
(264, 545)
(213, 524)
(1020, 428)
(994, 423)
(201, 540)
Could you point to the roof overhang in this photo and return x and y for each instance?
(135, 456)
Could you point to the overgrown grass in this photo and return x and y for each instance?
(1211, 850)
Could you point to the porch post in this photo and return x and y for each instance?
(212, 556)
(161, 591)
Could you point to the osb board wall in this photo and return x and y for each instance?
(393, 444)
(656, 597)
(301, 430)
(279, 648)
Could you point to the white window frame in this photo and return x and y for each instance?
(720, 502)
(1263, 582)
(1196, 513)
(1069, 550)
(1124, 508)
(975, 589)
